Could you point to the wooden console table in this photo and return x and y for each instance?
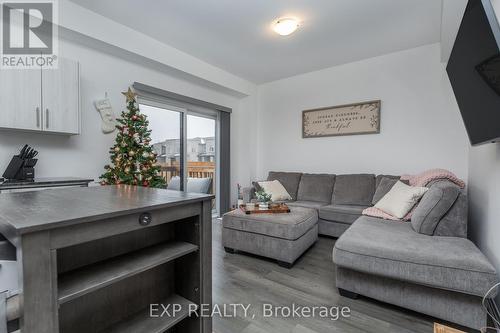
(94, 259)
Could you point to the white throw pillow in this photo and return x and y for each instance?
(400, 199)
(276, 190)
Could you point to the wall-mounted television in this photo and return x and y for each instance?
(474, 71)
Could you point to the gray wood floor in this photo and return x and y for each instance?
(240, 278)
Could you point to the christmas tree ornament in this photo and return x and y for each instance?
(145, 154)
(131, 153)
(117, 149)
(130, 96)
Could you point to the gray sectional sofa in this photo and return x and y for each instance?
(426, 265)
(339, 199)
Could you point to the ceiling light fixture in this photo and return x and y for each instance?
(285, 26)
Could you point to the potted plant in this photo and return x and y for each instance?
(263, 198)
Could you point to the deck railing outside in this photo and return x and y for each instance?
(194, 170)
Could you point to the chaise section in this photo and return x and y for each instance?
(393, 251)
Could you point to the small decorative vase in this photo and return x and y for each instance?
(263, 205)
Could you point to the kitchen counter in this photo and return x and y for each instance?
(44, 183)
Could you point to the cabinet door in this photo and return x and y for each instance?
(60, 98)
(20, 99)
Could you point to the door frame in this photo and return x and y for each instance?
(184, 113)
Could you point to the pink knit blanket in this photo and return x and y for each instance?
(424, 178)
(421, 179)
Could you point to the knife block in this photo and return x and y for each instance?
(20, 169)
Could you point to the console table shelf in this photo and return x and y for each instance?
(143, 322)
(84, 280)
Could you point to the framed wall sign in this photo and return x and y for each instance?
(350, 119)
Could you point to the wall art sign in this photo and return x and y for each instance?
(350, 119)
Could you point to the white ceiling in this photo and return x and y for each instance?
(235, 35)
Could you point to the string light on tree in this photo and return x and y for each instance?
(132, 142)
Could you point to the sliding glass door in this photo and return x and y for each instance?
(186, 142)
(201, 151)
(166, 134)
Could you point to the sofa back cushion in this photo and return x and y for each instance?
(383, 186)
(434, 206)
(379, 178)
(355, 189)
(316, 187)
(454, 223)
(289, 180)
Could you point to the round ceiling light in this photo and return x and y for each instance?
(285, 26)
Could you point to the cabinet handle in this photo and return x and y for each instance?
(38, 117)
(47, 118)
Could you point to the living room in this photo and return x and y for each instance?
(181, 111)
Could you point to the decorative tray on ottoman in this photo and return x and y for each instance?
(274, 208)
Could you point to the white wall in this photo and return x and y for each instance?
(453, 11)
(85, 155)
(496, 8)
(420, 126)
(484, 199)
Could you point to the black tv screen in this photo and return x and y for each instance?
(474, 72)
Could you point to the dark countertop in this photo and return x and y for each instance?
(43, 182)
(26, 212)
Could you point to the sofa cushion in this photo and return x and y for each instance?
(289, 226)
(290, 180)
(384, 185)
(400, 199)
(380, 177)
(316, 187)
(341, 213)
(357, 189)
(454, 223)
(435, 203)
(394, 250)
(307, 204)
(275, 189)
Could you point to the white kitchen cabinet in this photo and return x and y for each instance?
(20, 104)
(60, 98)
(41, 100)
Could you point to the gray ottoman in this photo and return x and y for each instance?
(284, 237)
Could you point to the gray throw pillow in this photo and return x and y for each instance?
(383, 187)
(435, 203)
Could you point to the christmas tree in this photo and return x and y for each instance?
(133, 161)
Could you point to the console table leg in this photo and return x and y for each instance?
(206, 251)
(39, 294)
